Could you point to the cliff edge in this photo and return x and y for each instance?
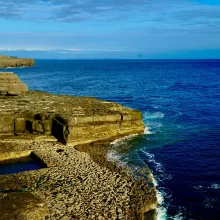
(13, 62)
(69, 184)
(71, 120)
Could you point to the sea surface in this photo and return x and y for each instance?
(180, 101)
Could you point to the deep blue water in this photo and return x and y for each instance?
(19, 165)
(180, 101)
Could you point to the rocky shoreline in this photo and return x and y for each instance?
(14, 62)
(73, 187)
(69, 136)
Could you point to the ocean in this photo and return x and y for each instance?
(180, 102)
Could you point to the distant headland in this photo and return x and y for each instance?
(13, 62)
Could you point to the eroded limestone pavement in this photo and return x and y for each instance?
(72, 186)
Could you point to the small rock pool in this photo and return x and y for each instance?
(21, 164)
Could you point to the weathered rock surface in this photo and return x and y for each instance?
(10, 84)
(72, 187)
(22, 206)
(72, 120)
(7, 61)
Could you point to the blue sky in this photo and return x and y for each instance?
(110, 28)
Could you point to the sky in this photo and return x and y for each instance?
(108, 29)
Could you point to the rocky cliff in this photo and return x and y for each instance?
(70, 185)
(72, 120)
(6, 61)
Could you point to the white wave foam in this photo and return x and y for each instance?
(161, 213)
(147, 131)
(198, 187)
(214, 186)
(149, 155)
(114, 157)
(179, 216)
(123, 139)
(161, 194)
(151, 115)
(150, 158)
(161, 209)
(160, 198)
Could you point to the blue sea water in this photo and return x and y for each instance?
(180, 101)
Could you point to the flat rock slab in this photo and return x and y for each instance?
(72, 120)
(22, 206)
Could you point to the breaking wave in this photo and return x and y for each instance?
(123, 139)
(214, 186)
(163, 194)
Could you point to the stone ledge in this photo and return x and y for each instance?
(70, 119)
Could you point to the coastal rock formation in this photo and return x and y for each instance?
(7, 61)
(10, 84)
(71, 120)
(73, 186)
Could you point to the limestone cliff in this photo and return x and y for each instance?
(72, 120)
(7, 61)
(72, 185)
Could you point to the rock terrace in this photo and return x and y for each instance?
(73, 120)
(10, 84)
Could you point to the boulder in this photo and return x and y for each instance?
(10, 84)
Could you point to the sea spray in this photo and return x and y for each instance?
(123, 139)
